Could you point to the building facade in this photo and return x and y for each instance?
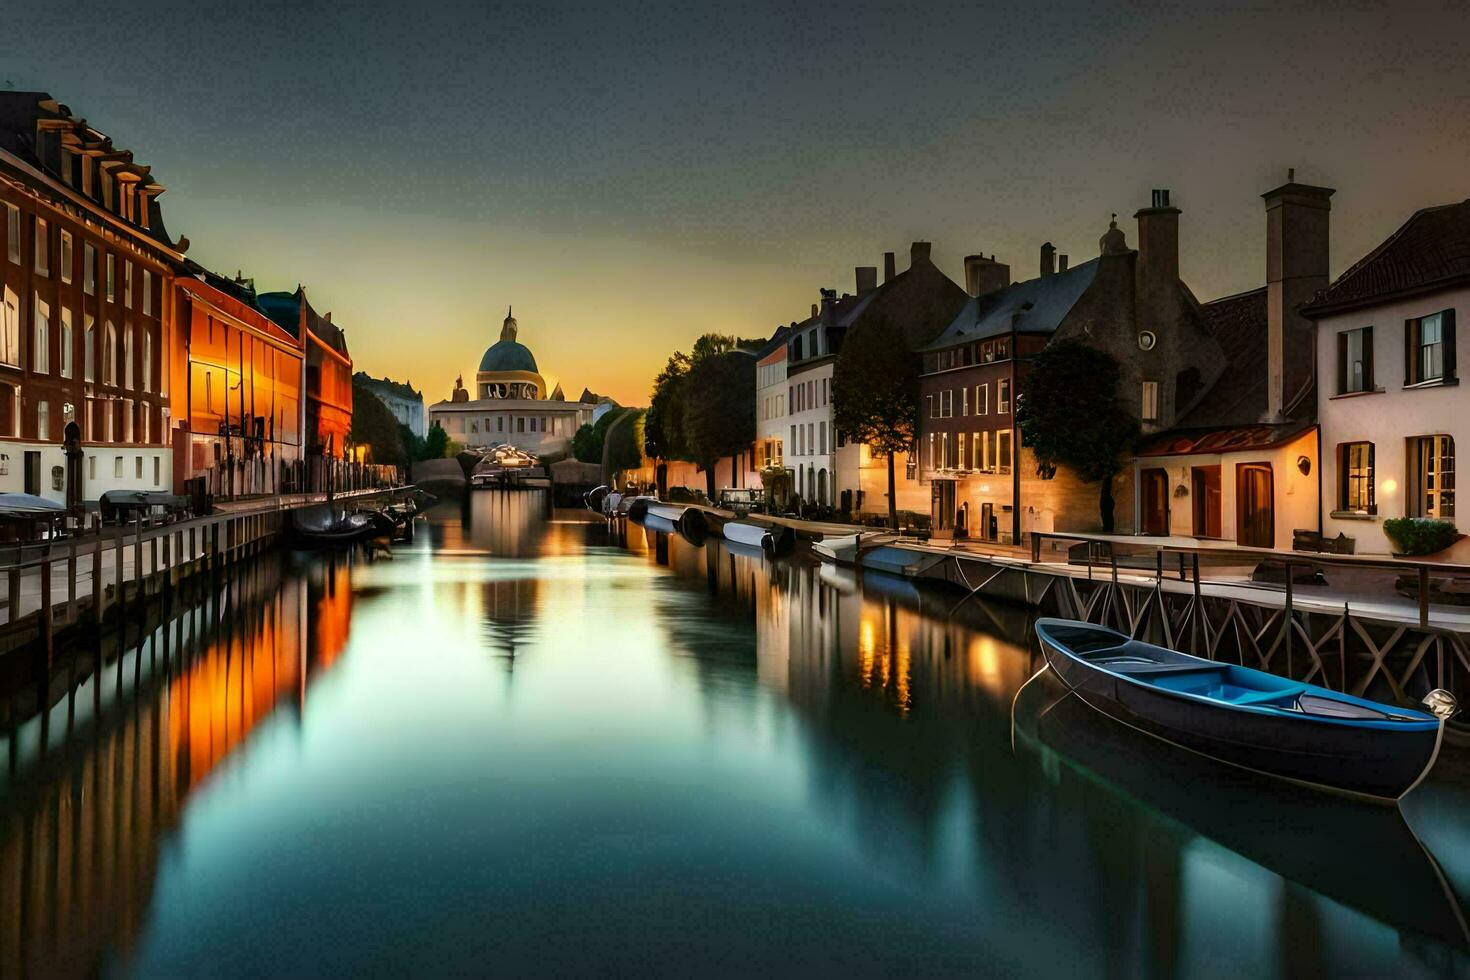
(1392, 409)
(239, 384)
(402, 399)
(512, 407)
(85, 264)
(771, 392)
(1242, 465)
(328, 388)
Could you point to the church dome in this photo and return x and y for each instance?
(508, 355)
(1112, 241)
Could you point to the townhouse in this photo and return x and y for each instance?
(771, 392)
(1392, 409)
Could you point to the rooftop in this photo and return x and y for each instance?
(1239, 395)
(1431, 250)
(1034, 306)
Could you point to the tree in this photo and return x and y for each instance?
(1069, 414)
(666, 425)
(623, 442)
(719, 410)
(374, 426)
(875, 394)
(587, 441)
(436, 443)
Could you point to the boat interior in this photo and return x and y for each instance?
(1173, 671)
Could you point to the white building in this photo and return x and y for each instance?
(512, 407)
(1391, 406)
(403, 400)
(770, 403)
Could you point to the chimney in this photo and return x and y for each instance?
(1156, 301)
(1061, 263)
(814, 310)
(829, 307)
(984, 275)
(918, 252)
(1048, 258)
(888, 266)
(1296, 269)
(867, 279)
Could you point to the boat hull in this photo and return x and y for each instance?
(1368, 762)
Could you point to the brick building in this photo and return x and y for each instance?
(84, 268)
(1128, 303)
(328, 387)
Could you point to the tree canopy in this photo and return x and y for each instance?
(436, 442)
(875, 393)
(693, 412)
(1070, 415)
(374, 426)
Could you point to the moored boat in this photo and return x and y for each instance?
(845, 549)
(1246, 717)
(774, 540)
(324, 525)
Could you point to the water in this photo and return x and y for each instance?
(527, 744)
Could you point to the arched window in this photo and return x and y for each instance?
(109, 354)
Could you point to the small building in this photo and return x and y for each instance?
(1129, 303)
(511, 406)
(1241, 465)
(85, 265)
(770, 415)
(404, 401)
(1392, 406)
(238, 391)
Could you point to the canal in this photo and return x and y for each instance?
(526, 742)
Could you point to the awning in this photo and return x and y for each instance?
(1226, 439)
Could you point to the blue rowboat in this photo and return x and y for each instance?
(1245, 717)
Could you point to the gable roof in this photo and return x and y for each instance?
(1239, 395)
(1034, 306)
(1431, 250)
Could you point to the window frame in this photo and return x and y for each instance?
(1346, 480)
(1416, 351)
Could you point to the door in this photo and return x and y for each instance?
(1155, 502)
(987, 522)
(33, 472)
(943, 505)
(1255, 512)
(1205, 493)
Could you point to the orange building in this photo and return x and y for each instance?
(238, 382)
(328, 387)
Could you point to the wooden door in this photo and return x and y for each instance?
(1205, 493)
(1255, 509)
(1155, 502)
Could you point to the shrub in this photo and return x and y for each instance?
(1419, 535)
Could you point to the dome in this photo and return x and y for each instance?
(508, 355)
(1112, 241)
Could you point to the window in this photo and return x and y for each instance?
(147, 292)
(1150, 409)
(1355, 477)
(137, 467)
(960, 441)
(521, 424)
(12, 232)
(66, 256)
(982, 399)
(43, 420)
(1355, 360)
(128, 413)
(43, 248)
(41, 343)
(89, 270)
(930, 408)
(1002, 349)
(964, 401)
(66, 343)
(822, 434)
(117, 467)
(127, 353)
(111, 282)
(794, 448)
(1432, 477)
(1003, 396)
(946, 403)
(109, 415)
(1003, 450)
(931, 451)
(109, 355)
(984, 455)
(1429, 348)
(128, 285)
(155, 471)
(89, 343)
(91, 467)
(10, 329)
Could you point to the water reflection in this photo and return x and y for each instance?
(533, 742)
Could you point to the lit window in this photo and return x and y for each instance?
(127, 284)
(43, 248)
(1150, 412)
(1003, 396)
(66, 256)
(128, 357)
(1355, 483)
(147, 292)
(10, 329)
(1003, 450)
(12, 232)
(1431, 348)
(111, 281)
(43, 420)
(89, 269)
(89, 343)
(41, 340)
(982, 399)
(66, 343)
(1355, 360)
(1432, 476)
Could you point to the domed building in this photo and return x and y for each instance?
(508, 369)
(510, 405)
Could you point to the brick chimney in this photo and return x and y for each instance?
(1296, 269)
(889, 269)
(1156, 273)
(867, 279)
(1048, 259)
(984, 275)
(918, 252)
(1062, 263)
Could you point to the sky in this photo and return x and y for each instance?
(631, 176)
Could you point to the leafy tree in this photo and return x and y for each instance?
(1069, 414)
(436, 443)
(588, 441)
(666, 425)
(374, 426)
(719, 410)
(623, 442)
(875, 394)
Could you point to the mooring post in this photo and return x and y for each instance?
(1424, 596)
